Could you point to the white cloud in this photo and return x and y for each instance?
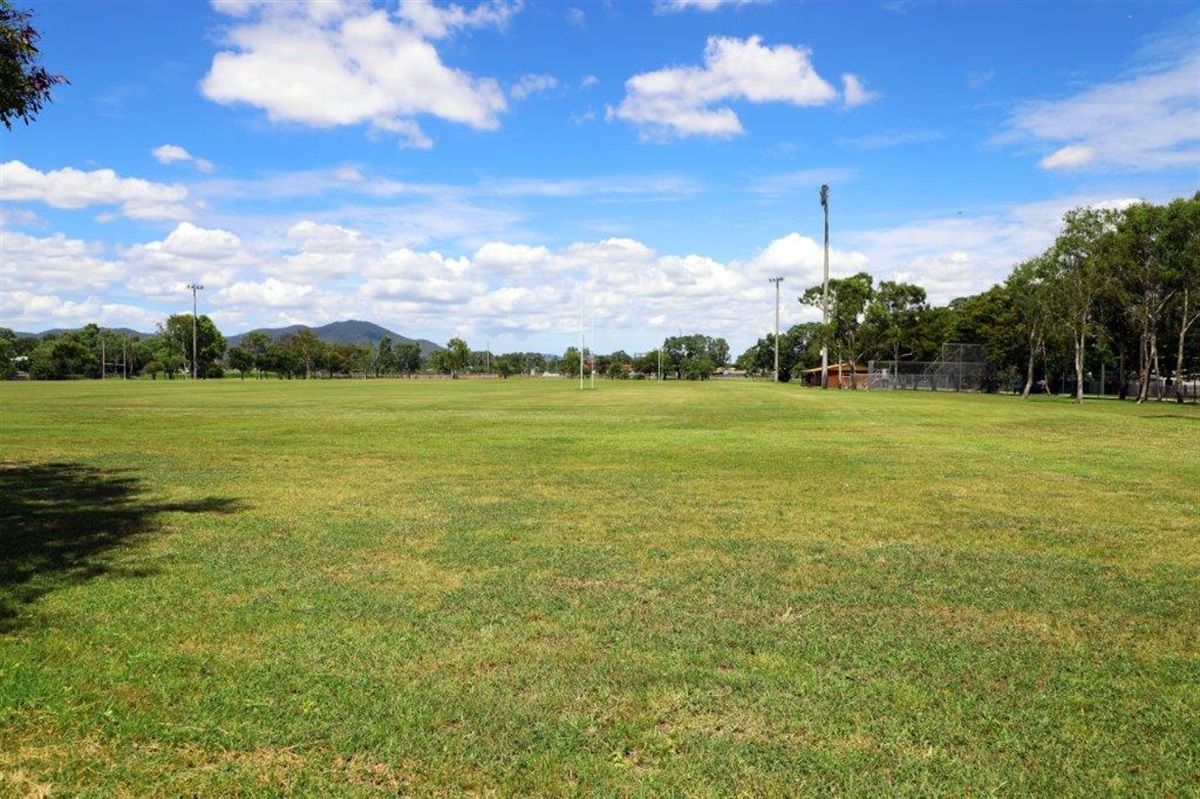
(189, 241)
(577, 17)
(32, 313)
(340, 64)
(437, 22)
(1149, 120)
(72, 189)
(667, 6)
(678, 101)
(962, 255)
(56, 263)
(269, 293)
(170, 153)
(1069, 157)
(855, 93)
(161, 269)
(530, 85)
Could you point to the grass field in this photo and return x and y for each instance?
(469, 587)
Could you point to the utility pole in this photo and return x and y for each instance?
(825, 289)
(195, 355)
(776, 281)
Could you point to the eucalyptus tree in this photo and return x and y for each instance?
(1141, 278)
(1181, 239)
(845, 333)
(1082, 269)
(894, 317)
(1029, 290)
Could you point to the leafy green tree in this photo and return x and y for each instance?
(384, 361)
(894, 318)
(8, 354)
(647, 363)
(695, 356)
(1082, 268)
(61, 358)
(458, 356)
(306, 350)
(24, 84)
(1181, 245)
(1029, 290)
(282, 360)
(569, 363)
(176, 333)
(408, 358)
(845, 335)
(507, 365)
(257, 343)
(241, 359)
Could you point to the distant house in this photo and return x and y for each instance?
(841, 375)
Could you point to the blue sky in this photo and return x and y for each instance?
(477, 170)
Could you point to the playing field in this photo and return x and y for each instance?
(514, 587)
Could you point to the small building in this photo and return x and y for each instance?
(841, 375)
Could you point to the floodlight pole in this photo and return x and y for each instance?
(825, 290)
(581, 340)
(195, 355)
(776, 281)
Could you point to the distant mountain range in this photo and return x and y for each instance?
(350, 331)
(58, 331)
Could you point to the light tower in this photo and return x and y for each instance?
(825, 289)
(776, 281)
(195, 355)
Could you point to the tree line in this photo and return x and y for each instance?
(1116, 294)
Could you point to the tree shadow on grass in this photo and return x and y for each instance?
(61, 522)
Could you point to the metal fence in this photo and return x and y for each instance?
(961, 367)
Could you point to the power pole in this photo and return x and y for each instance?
(776, 281)
(825, 289)
(195, 355)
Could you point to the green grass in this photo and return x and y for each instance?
(363, 588)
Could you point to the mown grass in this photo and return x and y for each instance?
(375, 587)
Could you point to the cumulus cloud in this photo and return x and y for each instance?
(962, 255)
(56, 263)
(160, 269)
(269, 293)
(855, 93)
(32, 312)
(72, 189)
(679, 101)
(1149, 120)
(335, 64)
(189, 241)
(170, 153)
